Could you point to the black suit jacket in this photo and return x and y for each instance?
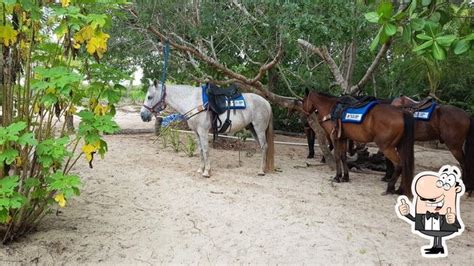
(419, 220)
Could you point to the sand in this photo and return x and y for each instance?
(144, 204)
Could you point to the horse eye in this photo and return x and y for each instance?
(150, 97)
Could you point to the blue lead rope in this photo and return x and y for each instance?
(167, 120)
(166, 55)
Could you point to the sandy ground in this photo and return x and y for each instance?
(144, 204)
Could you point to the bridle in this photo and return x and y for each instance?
(160, 105)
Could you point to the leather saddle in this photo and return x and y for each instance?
(421, 105)
(220, 100)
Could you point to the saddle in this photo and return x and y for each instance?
(421, 105)
(220, 100)
(343, 104)
(348, 101)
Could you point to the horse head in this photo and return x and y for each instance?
(154, 101)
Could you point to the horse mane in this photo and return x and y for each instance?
(326, 94)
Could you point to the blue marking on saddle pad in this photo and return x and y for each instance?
(237, 103)
(425, 114)
(356, 115)
(205, 99)
(167, 120)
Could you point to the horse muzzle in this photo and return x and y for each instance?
(146, 116)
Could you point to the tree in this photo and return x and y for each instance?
(49, 50)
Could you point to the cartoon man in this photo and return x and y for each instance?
(437, 212)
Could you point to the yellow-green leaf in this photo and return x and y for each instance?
(7, 35)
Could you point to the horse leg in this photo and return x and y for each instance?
(343, 155)
(389, 168)
(262, 140)
(200, 170)
(337, 157)
(310, 137)
(457, 152)
(392, 155)
(205, 152)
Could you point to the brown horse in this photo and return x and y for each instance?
(450, 125)
(391, 128)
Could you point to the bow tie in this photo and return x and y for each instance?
(432, 215)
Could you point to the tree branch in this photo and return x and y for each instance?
(366, 78)
(324, 54)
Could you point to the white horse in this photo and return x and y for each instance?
(257, 117)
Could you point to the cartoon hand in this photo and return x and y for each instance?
(450, 216)
(404, 209)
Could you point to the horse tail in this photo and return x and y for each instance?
(468, 177)
(270, 153)
(406, 152)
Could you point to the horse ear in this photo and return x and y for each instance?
(155, 83)
(306, 92)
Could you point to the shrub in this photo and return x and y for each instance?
(37, 153)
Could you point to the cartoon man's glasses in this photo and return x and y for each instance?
(446, 181)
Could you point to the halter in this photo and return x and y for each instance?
(160, 105)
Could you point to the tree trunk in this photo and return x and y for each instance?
(322, 141)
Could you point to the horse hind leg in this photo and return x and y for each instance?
(343, 151)
(392, 155)
(337, 157)
(262, 141)
(205, 152)
(200, 170)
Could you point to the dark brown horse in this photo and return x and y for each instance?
(450, 125)
(391, 128)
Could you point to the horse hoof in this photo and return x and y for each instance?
(199, 171)
(261, 173)
(311, 156)
(206, 175)
(345, 179)
(388, 192)
(336, 179)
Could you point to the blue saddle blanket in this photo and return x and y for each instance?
(237, 103)
(425, 114)
(357, 115)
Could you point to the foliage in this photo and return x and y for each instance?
(190, 146)
(245, 43)
(174, 139)
(242, 135)
(50, 70)
(435, 30)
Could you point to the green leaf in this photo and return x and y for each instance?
(423, 46)
(385, 9)
(461, 47)
(446, 40)
(375, 41)
(469, 37)
(372, 17)
(436, 16)
(417, 24)
(390, 29)
(16, 127)
(438, 52)
(423, 36)
(8, 185)
(425, 2)
(27, 138)
(8, 156)
(406, 33)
